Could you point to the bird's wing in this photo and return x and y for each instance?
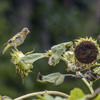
(14, 38)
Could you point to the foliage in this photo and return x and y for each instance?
(76, 94)
(51, 22)
(67, 53)
(49, 97)
(54, 78)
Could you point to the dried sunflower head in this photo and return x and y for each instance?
(85, 54)
(86, 50)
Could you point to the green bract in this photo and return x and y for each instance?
(21, 67)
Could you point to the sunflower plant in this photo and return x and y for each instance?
(82, 59)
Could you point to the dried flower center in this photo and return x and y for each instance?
(86, 52)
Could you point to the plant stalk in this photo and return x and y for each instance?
(41, 93)
(70, 75)
(89, 85)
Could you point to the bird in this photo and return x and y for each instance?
(17, 40)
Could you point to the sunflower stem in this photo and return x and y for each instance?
(70, 75)
(89, 85)
(64, 59)
(41, 93)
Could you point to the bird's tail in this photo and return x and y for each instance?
(9, 45)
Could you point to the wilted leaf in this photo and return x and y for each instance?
(31, 58)
(76, 94)
(57, 51)
(54, 78)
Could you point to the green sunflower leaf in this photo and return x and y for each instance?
(54, 78)
(76, 94)
(31, 58)
(57, 51)
(59, 98)
(49, 97)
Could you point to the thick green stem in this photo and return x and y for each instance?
(89, 85)
(63, 59)
(70, 75)
(41, 93)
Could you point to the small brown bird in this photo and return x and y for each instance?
(17, 40)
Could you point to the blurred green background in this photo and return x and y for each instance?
(50, 22)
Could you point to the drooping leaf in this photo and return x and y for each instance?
(76, 94)
(57, 51)
(31, 58)
(54, 78)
